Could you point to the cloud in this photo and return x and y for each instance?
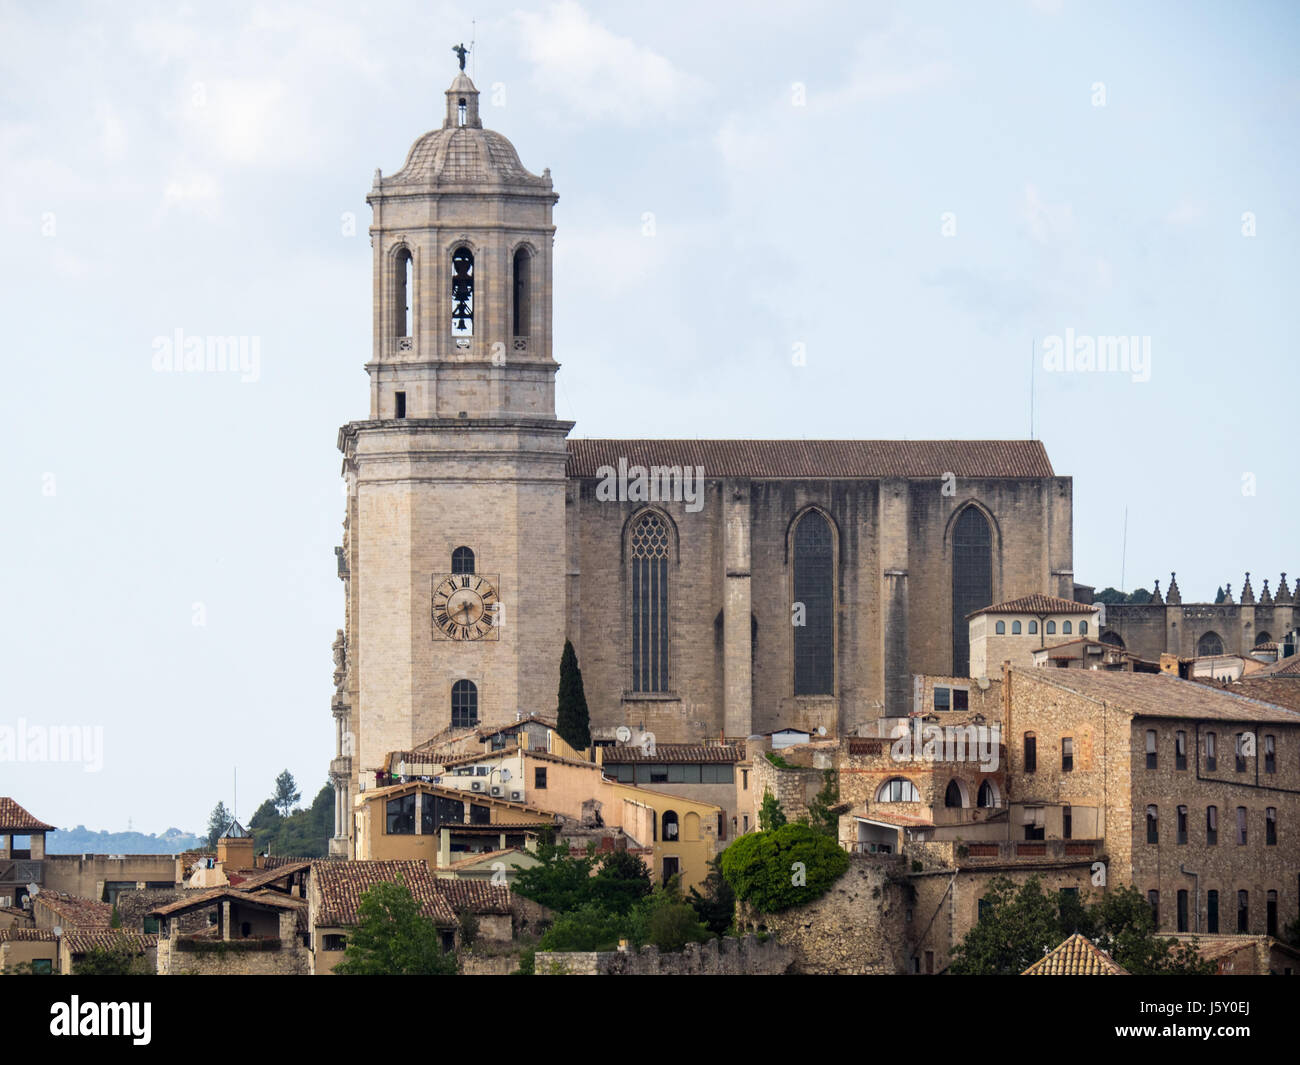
(595, 73)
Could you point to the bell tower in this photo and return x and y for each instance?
(454, 543)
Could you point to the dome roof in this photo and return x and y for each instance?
(462, 152)
(464, 155)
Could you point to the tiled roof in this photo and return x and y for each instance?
(483, 856)
(81, 942)
(207, 898)
(1077, 956)
(672, 753)
(14, 819)
(1036, 604)
(1160, 695)
(1286, 667)
(341, 885)
(488, 731)
(250, 880)
(74, 911)
(771, 459)
(1282, 691)
(27, 935)
(479, 896)
(461, 794)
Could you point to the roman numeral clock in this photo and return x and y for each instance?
(466, 607)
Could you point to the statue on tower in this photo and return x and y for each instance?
(461, 51)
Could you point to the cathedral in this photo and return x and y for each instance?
(711, 588)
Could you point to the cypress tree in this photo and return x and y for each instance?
(572, 721)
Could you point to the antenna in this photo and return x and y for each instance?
(234, 802)
(473, 52)
(1123, 551)
(1031, 388)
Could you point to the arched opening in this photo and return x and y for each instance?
(1262, 638)
(691, 827)
(462, 110)
(462, 293)
(670, 826)
(403, 291)
(972, 580)
(1209, 644)
(1015, 628)
(1000, 629)
(1066, 629)
(814, 598)
(1113, 638)
(1033, 628)
(952, 797)
(897, 789)
(464, 704)
(462, 560)
(522, 310)
(987, 798)
(1083, 628)
(648, 553)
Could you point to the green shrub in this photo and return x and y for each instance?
(789, 866)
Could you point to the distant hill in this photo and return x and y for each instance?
(81, 840)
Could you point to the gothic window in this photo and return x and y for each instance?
(522, 312)
(1262, 638)
(404, 276)
(649, 554)
(462, 293)
(1153, 897)
(1209, 644)
(814, 576)
(898, 789)
(952, 797)
(1112, 638)
(986, 798)
(972, 581)
(464, 704)
(462, 560)
(1270, 906)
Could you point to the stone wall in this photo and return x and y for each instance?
(794, 787)
(749, 956)
(230, 960)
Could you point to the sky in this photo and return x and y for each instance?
(821, 220)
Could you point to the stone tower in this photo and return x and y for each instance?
(454, 538)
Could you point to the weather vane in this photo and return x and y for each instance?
(460, 51)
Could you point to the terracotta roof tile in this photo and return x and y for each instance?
(1036, 604)
(81, 942)
(74, 911)
(341, 885)
(773, 459)
(479, 896)
(1077, 956)
(14, 819)
(672, 753)
(27, 935)
(207, 898)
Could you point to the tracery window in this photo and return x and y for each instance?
(814, 590)
(972, 581)
(648, 551)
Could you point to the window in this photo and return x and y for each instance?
(744, 779)
(814, 640)
(1182, 910)
(1153, 827)
(960, 699)
(1180, 749)
(1051, 628)
(1211, 756)
(929, 962)
(1153, 897)
(479, 814)
(1241, 826)
(942, 698)
(1209, 645)
(1240, 752)
(1067, 754)
(649, 554)
(1243, 911)
(952, 796)
(464, 704)
(722, 826)
(745, 822)
(335, 942)
(1033, 628)
(1270, 905)
(1000, 628)
(1182, 824)
(1211, 825)
(1270, 754)
(1015, 628)
(723, 773)
(1211, 911)
(986, 799)
(401, 815)
(1083, 628)
(539, 776)
(1151, 748)
(1066, 629)
(1067, 822)
(898, 789)
(399, 404)
(462, 560)
(1270, 827)
(972, 580)
(670, 825)
(462, 293)
(404, 289)
(522, 310)
(42, 967)
(1031, 753)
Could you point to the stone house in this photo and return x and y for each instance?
(249, 933)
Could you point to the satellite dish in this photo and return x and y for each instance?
(58, 930)
(821, 730)
(505, 775)
(33, 889)
(401, 768)
(622, 734)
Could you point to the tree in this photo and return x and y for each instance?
(286, 793)
(1139, 595)
(572, 720)
(1018, 928)
(775, 870)
(560, 883)
(217, 822)
(468, 923)
(667, 921)
(265, 824)
(393, 937)
(820, 817)
(770, 814)
(1125, 929)
(119, 958)
(1109, 596)
(621, 881)
(716, 906)
(1219, 596)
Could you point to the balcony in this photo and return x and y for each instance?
(1050, 850)
(22, 871)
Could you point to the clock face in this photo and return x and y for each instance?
(466, 606)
